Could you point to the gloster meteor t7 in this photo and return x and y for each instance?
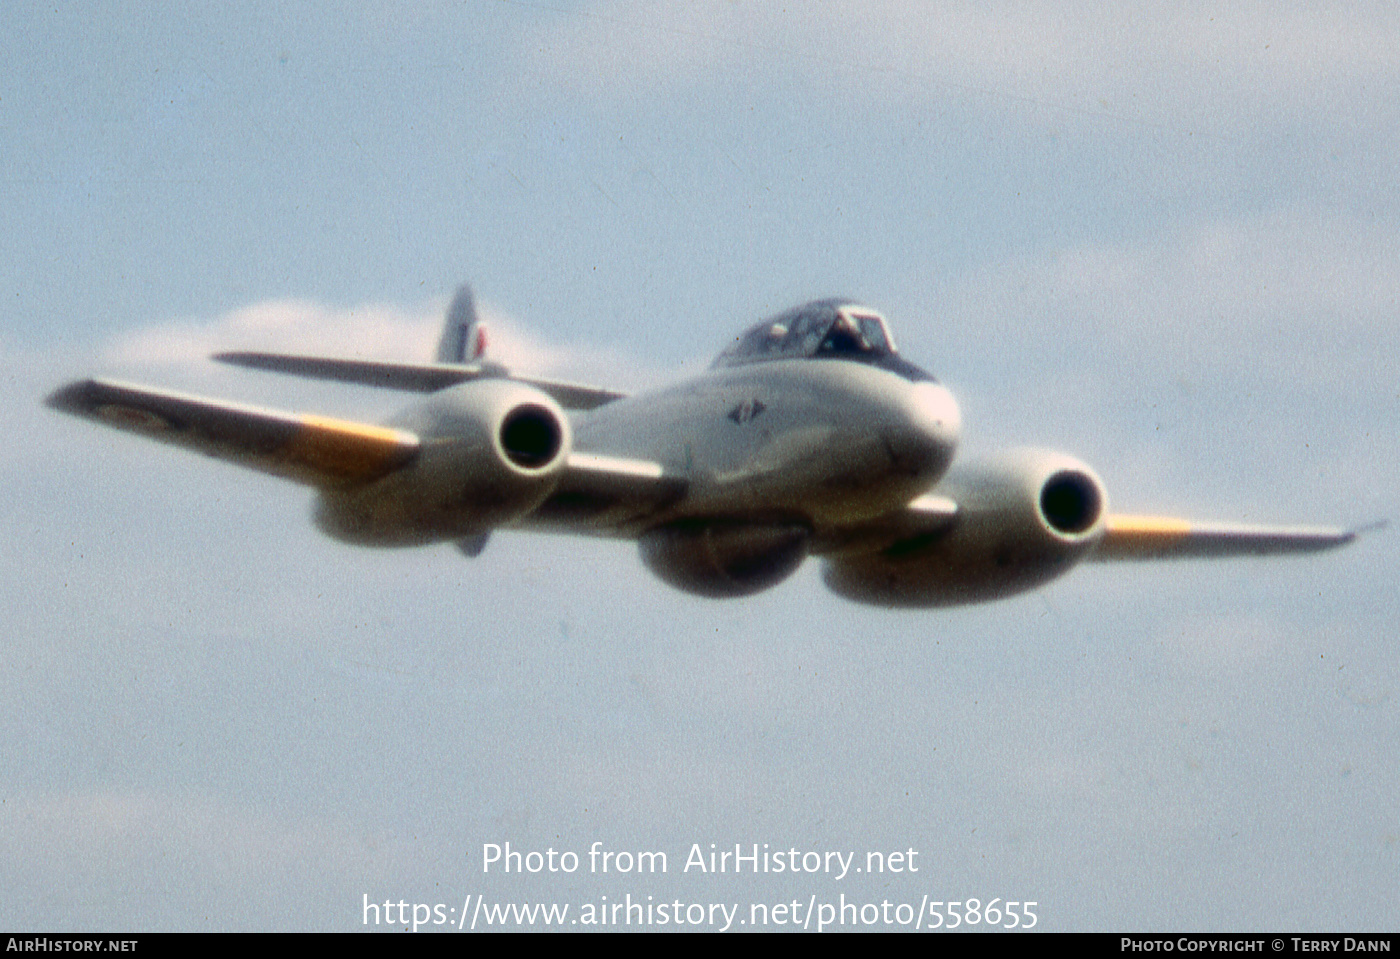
(809, 436)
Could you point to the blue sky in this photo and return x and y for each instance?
(1162, 238)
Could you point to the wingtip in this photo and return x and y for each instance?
(1346, 537)
(251, 359)
(71, 397)
(1373, 527)
(243, 358)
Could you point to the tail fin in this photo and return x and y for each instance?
(463, 336)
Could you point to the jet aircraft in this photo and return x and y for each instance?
(809, 436)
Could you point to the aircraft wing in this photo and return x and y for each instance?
(1125, 537)
(416, 377)
(316, 450)
(1160, 537)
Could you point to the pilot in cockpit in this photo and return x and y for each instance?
(844, 337)
(820, 330)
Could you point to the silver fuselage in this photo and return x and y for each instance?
(825, 442)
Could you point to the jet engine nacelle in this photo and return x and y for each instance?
(492, 451)
(725, 557)
(1023, 518)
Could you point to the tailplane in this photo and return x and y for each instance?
(461, 358)
(463, 336)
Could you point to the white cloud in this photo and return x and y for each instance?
(372, 332)
(293, 326)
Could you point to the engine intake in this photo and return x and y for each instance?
(531, 436)
(493, 450)
(1071, 502)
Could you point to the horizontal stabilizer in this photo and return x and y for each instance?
(1160, 537)
(416, 377)
(316, 450)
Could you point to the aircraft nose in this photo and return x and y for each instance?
(938, 410)
(933, 425)
(935, 412)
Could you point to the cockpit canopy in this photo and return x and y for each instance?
(826, 328)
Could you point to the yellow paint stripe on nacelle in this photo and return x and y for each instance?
(349, 450)
(1129, 535)
(1153, 526)
(311, 449)
(1163, 537)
